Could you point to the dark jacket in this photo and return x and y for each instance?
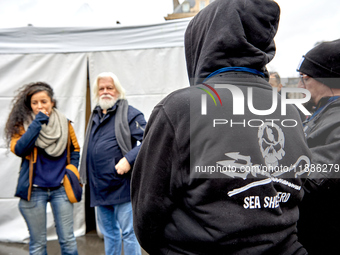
(23, 145)
(319, 224)
(107, 187)
(184, 201)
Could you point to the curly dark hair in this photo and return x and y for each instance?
(22, 111)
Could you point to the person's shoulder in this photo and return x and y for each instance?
(177, 99)
(176, 105)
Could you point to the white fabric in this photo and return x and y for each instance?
(148, 60)
(32, 39)
(147, 75)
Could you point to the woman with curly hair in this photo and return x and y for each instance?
(45, 140)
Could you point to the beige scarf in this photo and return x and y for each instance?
(53, 137)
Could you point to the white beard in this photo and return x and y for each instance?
(107, 103)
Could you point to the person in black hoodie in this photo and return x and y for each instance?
(319, 223)
(218, 171)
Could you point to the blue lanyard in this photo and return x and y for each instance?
(235, 68)
(329, 101)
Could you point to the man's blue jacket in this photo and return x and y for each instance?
(107, 187)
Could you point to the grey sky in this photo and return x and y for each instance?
(302, 24)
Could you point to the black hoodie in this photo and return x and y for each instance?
(191, 191)
(231, 33)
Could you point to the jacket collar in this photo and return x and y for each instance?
(322, 105)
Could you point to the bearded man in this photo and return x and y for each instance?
(110, 150)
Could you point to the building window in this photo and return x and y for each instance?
(186, 6)
(202, 4)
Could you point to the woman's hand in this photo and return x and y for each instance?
(45, 112)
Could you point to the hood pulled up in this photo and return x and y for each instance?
(231, 33)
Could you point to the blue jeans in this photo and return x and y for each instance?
(34, 212)
(116, 224)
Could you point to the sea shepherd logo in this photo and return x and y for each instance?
(270, 141)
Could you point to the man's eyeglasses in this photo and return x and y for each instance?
(304, 78)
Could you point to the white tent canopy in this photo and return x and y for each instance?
(148, 60)
(89, 39)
